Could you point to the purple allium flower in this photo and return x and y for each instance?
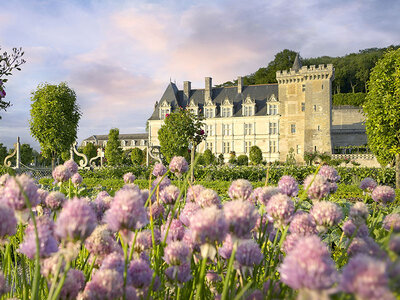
(368, 184)
(329, 173)
(394, 244)
(180, 273)
(76, 221)
(47, 242)
(263, 194)
(42, 195)
(264, 224)
(144, 240)
(159, 170)
(74, 283)
(55, 200)
(290, 241)
(212, 276)
(139, 274)
(303, 223)
(359, 212)
(366, 277)
(13, 195)
(169, 194)
(248, 254)
(3, 285)
(101, 242)
(240, 189)
(105, 284)
(383, 194)
(162, 183)
(288, 186)
(208, 225)
(157, 210)
(113, 261)
(227, 246)
(49, 265)
(188, 239)
(178, 165)
(126, 211)
(332, 187)
(61, 173)
(241, 217)
(309, 265)
(193, 193)
(72, 166)
(8, 224)
(189, 210)
(129, 178)
(365, 245)
(76, 179)
(177, 253)
(326, 214)
(318, 189)
(349, 228)
(255, 295)
(175, 233)
(392, 220)
(281, 208)
(208, 197)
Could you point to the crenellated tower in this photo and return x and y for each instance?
(305, 97)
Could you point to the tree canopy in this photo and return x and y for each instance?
(54, 118)
(113, 152)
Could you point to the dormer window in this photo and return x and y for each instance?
(248, 107)
(165, 109)
(123, 143)
(272, 106)
(209, 109)
(133, 143)
(226, 109)
(193, 108)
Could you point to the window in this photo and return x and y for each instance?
(315, 148)
(226, 147)
(164, 112)
(273, 128)
(292, 128)
(209, 112)
(104, 143)
(273, 109)
(303, 88)
(272, 147)
(303, 106)
(247, 146)
(142, 142)
(315, 108)
(226, 129)
(322, 87)
(248, 110)
(133, 143)
(123, 143)
(209, 146)
(226, 112)
(319, 128)
(209, 129)
(298, 150)
(248, 129)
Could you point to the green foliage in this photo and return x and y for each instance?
(232, 158)
(113, 152)
(242, 160)
(26, 154)
(309, 157)
(255, 155)
(3, 153)
(208, 157)
(356, 99)
(382, 107)
(6, 170)
(290, 159)
(90, 150)
(180, 129)
(137, 156)
(54, 118)
(220, 159)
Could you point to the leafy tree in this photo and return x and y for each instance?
(8, 63)
(54, 118)
(255, 155)
(26, 154)
(309, 157)
(242, 160)
(220, 159)
(232, 158)
(90, 150)
(180, 130)
(209, 157)
(382, 110)
(113, 152)
(137, 156)
(290, 159)
(3, 153)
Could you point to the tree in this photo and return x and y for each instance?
(113, 150)
(90, 150)
(242, 160)
(382, 110)
(54, 118)
(26, 154)
(255, 155)
(209, 157)
(232, 158)
(137, 156)
(3, 154)
(8, 62)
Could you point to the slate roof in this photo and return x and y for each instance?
(134, 136)
(259, 93)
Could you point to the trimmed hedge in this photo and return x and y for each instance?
(354, 99)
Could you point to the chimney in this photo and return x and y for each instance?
(240, 84)
(186, 91)
(208, 88)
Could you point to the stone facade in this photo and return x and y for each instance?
(128, 141)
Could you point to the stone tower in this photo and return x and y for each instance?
(305, 97)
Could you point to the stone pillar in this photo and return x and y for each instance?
(18, 159)
(208, 88)
(240, 84)
(186, 91)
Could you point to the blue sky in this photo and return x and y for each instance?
(119, 56)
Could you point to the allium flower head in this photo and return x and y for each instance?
(113, 261)
(189, 210)
(55, 200)
(309, 266)
(290, 241)
(365, 245)
(157, 210)
(318, 189)
(177, 253)
(368, 184)
(13, 196)
(76, 221)
(74, 283)
(162, 183)
(208, 225)
(176, 230)
(349, 228)
(178, 165)
(240, 189)
(42, 195)
(383, 194)
(208, 197)
(248, 254)
(76, 179)
(329, 173)
(280, 208)
(144, 240)
(129, 178)
(180, 273)
(159, 170)
(139, 274)
(263, 194)
(126, 211)
(71, 166)
(394, 244)
(241, 217)
(101, 242)
(61, 173)
(8, 224)
(193, 193)
(288, 186)
(326, 214)
(359, 212)
(105, 284)
(169, 194)
(47, 242)
(366, 277)
(303, 223)
(227, 246)
(392, 220)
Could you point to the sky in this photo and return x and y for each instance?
(119, 56)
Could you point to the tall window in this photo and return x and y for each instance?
(273, 128)
(303, 106)
(248, 129)
(209, 112)
(226, 112)
(292, 128)
(247, 146)
(273, 109)
(272, 147)
(209, 145)
(226, 147)
(298, 149)
(248, 110)
(164, 112)
(226, 129)
(209, 129)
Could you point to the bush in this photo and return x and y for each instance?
(209, 157)
(242, 160)
(137, 156)
(6, 170)
(354, 99)
(255, 155)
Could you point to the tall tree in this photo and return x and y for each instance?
(54, 118)
(382, 110)
(137, 156)
(3, 154)
(90, 150)
(26, 154)
(113, 150)
(255, 155)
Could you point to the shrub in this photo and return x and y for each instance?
(242, 160)
(137, 156)
(255, 155)
(209, 157)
